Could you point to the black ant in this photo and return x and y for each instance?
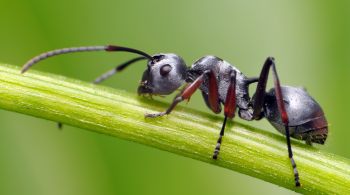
(291, 110)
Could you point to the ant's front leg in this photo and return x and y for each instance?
(189, 91)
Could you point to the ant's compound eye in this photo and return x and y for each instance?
(165, 69)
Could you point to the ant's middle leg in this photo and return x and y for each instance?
(229, 110)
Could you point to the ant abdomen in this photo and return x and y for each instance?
(306, 117)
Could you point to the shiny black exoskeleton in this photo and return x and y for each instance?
(292, 111)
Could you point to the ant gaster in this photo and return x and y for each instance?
(291, 110)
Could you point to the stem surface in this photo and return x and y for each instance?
(186, 132)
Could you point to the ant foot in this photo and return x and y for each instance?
(155, 115)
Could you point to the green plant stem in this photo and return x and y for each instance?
(185, 132)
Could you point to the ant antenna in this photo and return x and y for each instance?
(48, 54)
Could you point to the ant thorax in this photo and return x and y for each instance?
(222, 70)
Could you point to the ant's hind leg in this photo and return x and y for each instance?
(259, 102)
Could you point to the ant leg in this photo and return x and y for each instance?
(117, 69)
(230, 108)
(188, 92)
(259, 101)
(59, 125)
(185, 94)
(211, 98)
(213, 95)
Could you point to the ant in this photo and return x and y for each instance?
(292, 111)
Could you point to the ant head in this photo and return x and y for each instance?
(165, 74)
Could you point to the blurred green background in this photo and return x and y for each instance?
(309, 39)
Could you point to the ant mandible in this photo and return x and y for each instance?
(291, 110)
